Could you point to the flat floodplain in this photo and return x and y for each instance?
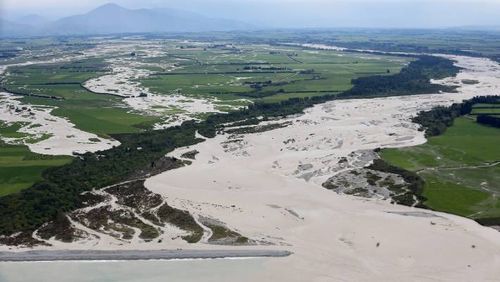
(227, 75)
(261, 72)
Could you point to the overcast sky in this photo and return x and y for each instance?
(294, 13)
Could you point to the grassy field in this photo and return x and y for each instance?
(460, 169)
(490, 109)
(95, 113)
(261, 72)
(11, 130)
(100, 114)
(20, 168)
(417, 40)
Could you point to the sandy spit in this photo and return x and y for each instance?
(91, 255)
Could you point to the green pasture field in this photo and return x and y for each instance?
(100, 114)
(481, 105)
(493, 109)
(11, 130)
(291, 71)
(461, 168)
(20, 168)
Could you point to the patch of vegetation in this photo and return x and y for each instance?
(452, 197)
(135, 195)
(412, 80)
(11, 130)
(436, 121)
(224, 235)
(60, 228)
(190, 155)
(133, 199)
(59, 85)
(257, 129)
(113, 221)
(21, 239)
(183, 220)
(489, 120)
(20, 168)
(469, 81)
(91, 199)
(358, 191)
(460, 166)
(372, 178)
(413, 196)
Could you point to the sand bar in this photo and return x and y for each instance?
(124, 255)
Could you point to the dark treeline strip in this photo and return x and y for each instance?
(436, 121)
(489, 221)
(241, 64)
(489, 120)
(414, 79)
(280, 63)
(314, 91)
(61, 189)
(485, 114)
(487, 107)
(294, 59)
(2, 88)
(495, 58)
(59, 83)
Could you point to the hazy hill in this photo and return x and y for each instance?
(32, 20)
(9, 28)
(111, 18)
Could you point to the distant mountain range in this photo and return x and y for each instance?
(113, 19)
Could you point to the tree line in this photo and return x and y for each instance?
(437, 120)
(412, 80)
(489, 120)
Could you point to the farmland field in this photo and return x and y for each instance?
(461, 169)
(20, 168)
(488, 109)
(267, 73)
(100, 114)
